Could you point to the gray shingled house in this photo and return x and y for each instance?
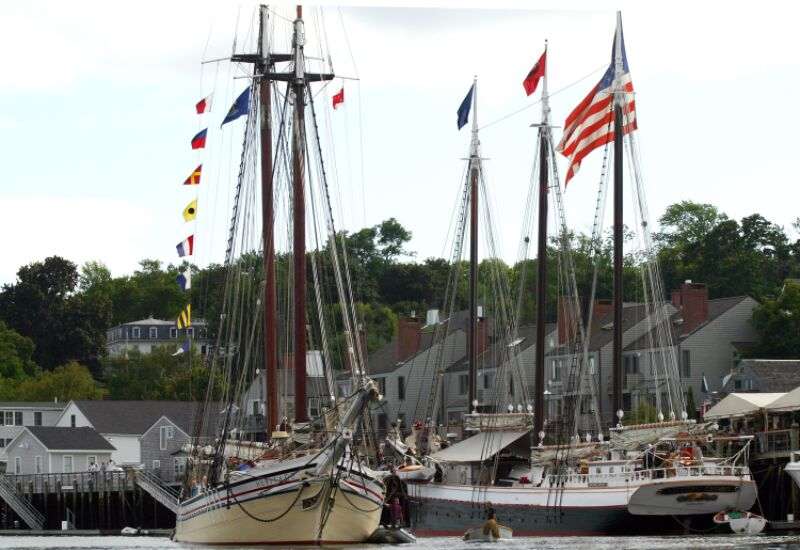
(16, 414)
(764, 375)
(52, 450)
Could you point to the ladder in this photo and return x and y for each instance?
(23, 508)
(153, 486)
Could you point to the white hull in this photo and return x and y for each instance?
(793, 469)
(698, 495)
(263, 510)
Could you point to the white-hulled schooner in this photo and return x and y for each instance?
(648, 478)
(309, 486)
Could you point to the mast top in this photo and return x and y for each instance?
(545, 96)
(618, 62)
(475, 143)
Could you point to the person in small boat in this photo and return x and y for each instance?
(491, 525)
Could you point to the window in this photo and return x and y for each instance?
(37, 418)
(255, 407)
(180, 466)
(463, 384)
(153, 333)
(190, 332)
(488, 380)
(591, 365)
(17, 464)
(162, 438)
(2, 443)
(203, 332)
(511, 385)
(381, 385)
(72, 420)
(686, 365)
(631, 363)
(37, 464)
(91, 459)
(401, 387)
(68, 469)
(382, 421)
(173, 332)
(156, 465)
(136, 332)
(556, 369)
(18, 418)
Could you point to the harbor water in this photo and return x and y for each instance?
(710, 542)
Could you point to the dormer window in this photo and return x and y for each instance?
(153, 333)
(136, 332)
(190, 332)
(173, 332)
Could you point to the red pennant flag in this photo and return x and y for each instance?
(532, 80)
(204, 105)
(338, 98)
(194, 177)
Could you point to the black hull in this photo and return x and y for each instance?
(437, 518)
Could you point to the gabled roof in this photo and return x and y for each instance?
(184, 418)
(70, 439)
(602, 332)
(131, 417)
(774, 375)
(715, 309)
(495, 354)
(38, 405)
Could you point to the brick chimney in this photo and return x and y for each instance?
(601, 308)
(676, 298)
(362, 337)
(694, 305)
(483, 332)
(566, 319)
(409, 332)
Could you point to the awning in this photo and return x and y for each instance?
(788, 402)
(741, 404)
(482, 446)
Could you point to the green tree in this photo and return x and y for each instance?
(778, 324)
(687, 222)
(16, 361)
(70, 381)
(44, 306)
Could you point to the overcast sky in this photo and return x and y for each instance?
(97, 110)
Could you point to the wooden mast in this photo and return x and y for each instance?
(541, 267)
(618, 257)
(472, 332)
(299, 223)
(268, 233)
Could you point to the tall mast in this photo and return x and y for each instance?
(299, 221)
(541, 267)
(618, 173)
(268, 233)
(472, 333)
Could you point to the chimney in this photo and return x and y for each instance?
(676, 298)
(362, 341)
(409, 332)
(566, 319)
(694, 305)
(601, 308)
(483, 331)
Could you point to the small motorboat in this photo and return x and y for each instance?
(484, 534)
(742, 523)
(391, 535)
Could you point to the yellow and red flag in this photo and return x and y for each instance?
(194, 178)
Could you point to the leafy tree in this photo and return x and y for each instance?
(70, 381)
(64, 325)
(778, 324)
(687, 222)
(16, 361)
(151, 290)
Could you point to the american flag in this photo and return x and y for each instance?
(591, 124)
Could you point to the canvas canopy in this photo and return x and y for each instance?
(741, 404)
(484, 445)
(788, 402)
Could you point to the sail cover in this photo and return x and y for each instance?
(483, 446)
(740, 404)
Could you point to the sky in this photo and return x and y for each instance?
(97, 111)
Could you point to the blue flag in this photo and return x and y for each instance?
(463, 111)
(183, 349)
(185, 280)
(704, 385)
(239, 107)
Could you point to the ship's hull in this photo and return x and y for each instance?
(449, 510)
(293, 512)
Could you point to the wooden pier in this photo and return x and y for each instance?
(96, 501)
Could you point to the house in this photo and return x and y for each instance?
(147, 334)
(163, 443)
(122, 423)
(54, 450)
(14, 415)
(764, 376)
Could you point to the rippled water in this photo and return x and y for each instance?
(761, 542)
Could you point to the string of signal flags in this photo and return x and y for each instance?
(185, 248)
